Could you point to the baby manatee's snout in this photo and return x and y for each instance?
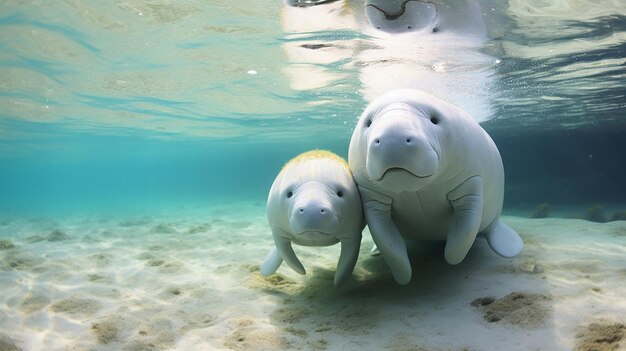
(313, 213)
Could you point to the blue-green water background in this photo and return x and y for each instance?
(114, 106)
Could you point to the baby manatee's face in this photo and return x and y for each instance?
(401, 146)
(315, 200)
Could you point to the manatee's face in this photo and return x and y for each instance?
(400, 146)
(314, 201)
(399, 16)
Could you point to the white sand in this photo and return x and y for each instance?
(188, 280)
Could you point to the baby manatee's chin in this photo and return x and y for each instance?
(312, 232)
(314, 238)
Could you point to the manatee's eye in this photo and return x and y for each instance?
(435, 30)
(434, 120)
(289, 194)
(368, 123)
(339, 193)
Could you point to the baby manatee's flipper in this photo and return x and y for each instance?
(347, 258)
(271, 262)
(283, 246)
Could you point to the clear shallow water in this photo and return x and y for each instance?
(130, 104)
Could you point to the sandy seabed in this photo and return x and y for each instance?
(188, 279)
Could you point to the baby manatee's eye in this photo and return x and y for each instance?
(289, 194)
(339, 193)
(434, 119)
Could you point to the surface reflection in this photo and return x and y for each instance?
(433, 46)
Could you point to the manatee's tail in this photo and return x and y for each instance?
(503, 240)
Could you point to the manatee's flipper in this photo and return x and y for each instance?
(347, 258)
(467, 201)
(503, 239)
(271, 262)
(385, 234)
(374, 250)
(283, 246)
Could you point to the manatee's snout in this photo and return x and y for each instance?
(395, 146)
(395, 17)
(313, 212)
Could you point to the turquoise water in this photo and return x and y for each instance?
(116, 105)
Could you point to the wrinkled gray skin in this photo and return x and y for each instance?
(314, 202)
(427, 171)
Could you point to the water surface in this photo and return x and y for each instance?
(130, 102)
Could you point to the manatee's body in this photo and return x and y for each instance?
(314, 201)
(428, 171)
